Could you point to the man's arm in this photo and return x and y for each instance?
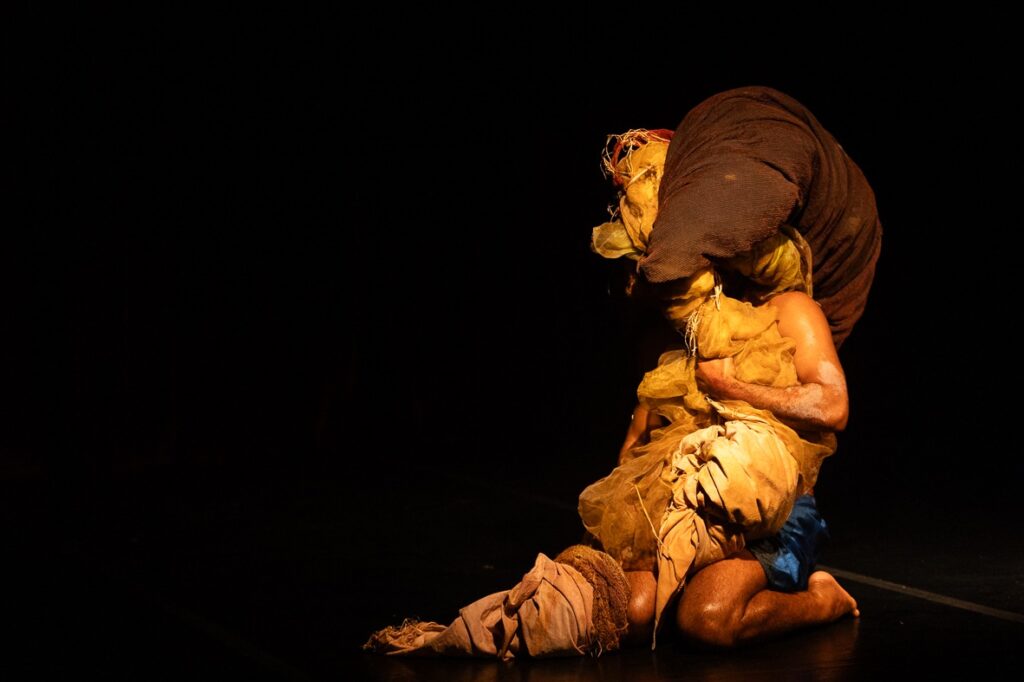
(639, 430)
(820, 401)
(654, 336)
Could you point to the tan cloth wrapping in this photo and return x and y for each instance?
(729, 482)
(549, 613)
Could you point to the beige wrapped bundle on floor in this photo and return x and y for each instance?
(573, 605)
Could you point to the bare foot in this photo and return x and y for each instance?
(836, 601)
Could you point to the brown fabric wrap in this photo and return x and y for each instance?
(743, 163)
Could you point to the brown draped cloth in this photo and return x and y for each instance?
(742, 164)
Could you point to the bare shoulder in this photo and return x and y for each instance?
(801, 319)
(799, 313)
(796, 302)
(814, 353)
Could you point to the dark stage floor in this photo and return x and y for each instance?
(159, 577)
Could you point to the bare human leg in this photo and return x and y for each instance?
(640, 613)
(726, 603)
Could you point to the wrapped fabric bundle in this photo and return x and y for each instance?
(742, 164)
(573, 605)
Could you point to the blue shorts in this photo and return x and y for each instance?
(789, 557)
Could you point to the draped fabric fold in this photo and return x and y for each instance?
(730, 482)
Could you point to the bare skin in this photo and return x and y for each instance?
(639, 430)
(727, 603)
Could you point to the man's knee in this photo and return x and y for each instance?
(711, 608)
(708, 622)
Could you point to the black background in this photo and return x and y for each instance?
(281, 249)
(351, 251)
